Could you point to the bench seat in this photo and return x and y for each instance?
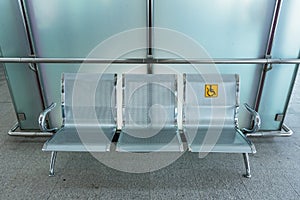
(165, 140)
(93, 139)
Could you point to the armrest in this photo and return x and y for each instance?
(42, 119)
(255, 120)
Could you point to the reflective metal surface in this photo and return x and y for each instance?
(211, 103)
(42, 119)
(226, 61)
(210, 124)
(52, 163)
(256, 122)
(15, 132)
(149, 114)
(247, 164)
(72, 139)
(284, 132)
(88, 107)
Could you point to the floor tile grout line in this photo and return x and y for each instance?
(292, 185)
(246, 188)
(52, 190)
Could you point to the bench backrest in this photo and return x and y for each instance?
(149, 100)
(89, 99)
(211, 100)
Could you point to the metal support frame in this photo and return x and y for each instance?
(247, 165)
(149, 34)
(268, 53)
(285, 132)
(52, 163)
(13, 132)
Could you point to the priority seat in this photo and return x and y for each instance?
(210, 112)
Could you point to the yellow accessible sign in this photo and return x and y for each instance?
(211, 90)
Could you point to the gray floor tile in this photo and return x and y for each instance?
(173, 184)
(293, 177)
(4, 94)
(7, 115)
(234, 193)
(28, 184)
(72, 194)
(219, 161)
(269, 184)
(32, 143)
(73, 185)
(116, 193)
(218, 179)
(294, 108)
(6, 176)
(183, 162)
(179, 193)
(83, 161)
(14, 156)
(96, 161)
(278, 154)
(41, 160)
(103, 194)
(137, 162)
(179, 177)
(102, 185)
(3, 136)
(123, 179)
(292, 119)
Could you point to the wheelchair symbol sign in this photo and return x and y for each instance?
(211, 90)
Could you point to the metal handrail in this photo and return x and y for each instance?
(152, 60)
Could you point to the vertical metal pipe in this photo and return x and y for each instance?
(32, 51)
(149, 34)
(247, 165)
(268, 53)
(52, 163)
(27, 27)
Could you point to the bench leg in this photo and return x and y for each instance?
(52, 163)
(247, 165)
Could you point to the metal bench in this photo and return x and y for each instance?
(210, 110)
(89, 115)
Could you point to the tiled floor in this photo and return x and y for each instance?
(24, 169)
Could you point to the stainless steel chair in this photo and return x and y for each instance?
(89, 115)
(149, 114)
(211, 103)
